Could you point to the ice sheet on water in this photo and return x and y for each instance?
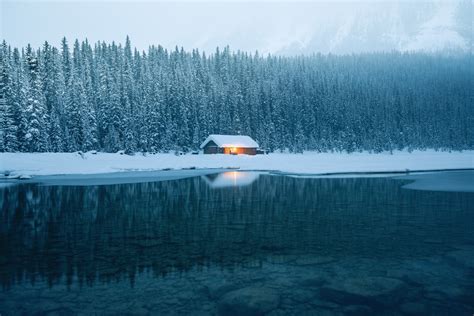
(456, 181)
(119, 177)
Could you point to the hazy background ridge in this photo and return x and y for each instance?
(285, 28)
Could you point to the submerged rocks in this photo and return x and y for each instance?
(363, 290)
(315, 281)
(281, 259)
(215, 291)
(249, 301)
(413, 308)
(357, 310)
(463, 257)
(312, 260)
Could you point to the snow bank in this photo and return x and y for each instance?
(307, 163)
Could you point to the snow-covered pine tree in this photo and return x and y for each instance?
(9, 129)
(107, 98)
(35, 112)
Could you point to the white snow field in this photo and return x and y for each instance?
(33, 164)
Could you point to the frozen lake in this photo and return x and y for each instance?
(240, 243)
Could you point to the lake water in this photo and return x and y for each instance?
(237, 243)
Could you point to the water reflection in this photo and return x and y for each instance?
(92, 235)
(231, 179)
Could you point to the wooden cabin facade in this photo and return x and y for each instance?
(229, 144)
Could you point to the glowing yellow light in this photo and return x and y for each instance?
(233, 176)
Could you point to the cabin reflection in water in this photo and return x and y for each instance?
(230, 179)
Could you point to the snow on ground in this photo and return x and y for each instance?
(307, 163)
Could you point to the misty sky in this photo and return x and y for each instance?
(267, 26)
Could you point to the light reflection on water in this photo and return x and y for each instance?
(231, 179)
(201, 245)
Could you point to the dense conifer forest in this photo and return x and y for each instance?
(111, 97)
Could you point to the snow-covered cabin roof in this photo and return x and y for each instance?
(240, 141)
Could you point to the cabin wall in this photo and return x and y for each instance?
(240, 151)
(250, 151)
(229, 150)
(212, 150)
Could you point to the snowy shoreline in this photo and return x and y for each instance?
(309, 163)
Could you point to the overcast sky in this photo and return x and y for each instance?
(267, 26)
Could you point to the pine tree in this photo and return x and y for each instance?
(110, 97)
(35, 110)
(9, 129)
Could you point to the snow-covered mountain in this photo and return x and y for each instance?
(404, 26)
(269, 26)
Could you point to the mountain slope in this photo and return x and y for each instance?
(390, 26)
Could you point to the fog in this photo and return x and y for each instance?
(286, 28)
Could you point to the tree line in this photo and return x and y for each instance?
(110, 97)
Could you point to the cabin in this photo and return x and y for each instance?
(229, 144)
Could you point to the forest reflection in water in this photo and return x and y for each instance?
(104, 231)
(66, 235)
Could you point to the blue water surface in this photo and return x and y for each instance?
(237, 243)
